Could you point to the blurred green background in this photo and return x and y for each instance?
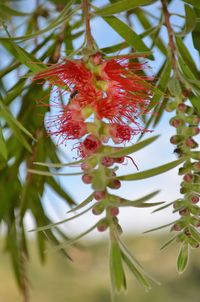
(86, 279)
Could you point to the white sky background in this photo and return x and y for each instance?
(158, 153)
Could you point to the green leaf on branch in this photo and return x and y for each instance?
(139, 275)
(152, 172)
(132, 149)
(118, 278)
(127, 33)
(190, 21)
(160, 227)
(168, 242)
(183, 258)
(186, 56)
(45, 173)
(8, 11)
(140, 203)
(120, 6)
(23, 56)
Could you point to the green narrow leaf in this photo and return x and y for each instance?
(127, 33)
(52, 225)
(168, 242)
(39, 172)
(190, 21)
(73, 240)
(11, 120)
(152, 172)
(140, 276)
(6, 10)
(183, 258)
(134, 148)
(160, 227)
(195, 234)
(116, 268)
(163, 207)
(82, 204)
(140, 200)
(143, 19)
(23, 56)
(15, 126)
(58, 165)
(186, 56)
(3, 149)
(120, 6)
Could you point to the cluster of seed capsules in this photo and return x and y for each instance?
(186, 123)
(107, 98)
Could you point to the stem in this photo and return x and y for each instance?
(89, 38)
(170, 34)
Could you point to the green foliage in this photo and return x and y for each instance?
(25, 145)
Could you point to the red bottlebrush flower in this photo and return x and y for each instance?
(127, 92)
(72, 76)
(89, 146)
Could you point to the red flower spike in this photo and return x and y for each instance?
(72, 76)
(127, 93)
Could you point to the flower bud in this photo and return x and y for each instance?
(119, 160)
(194, 199)
(114, 211)
(98, 209)
(176, 227)
(185, 108)
(188, 177)
(184, 212)
(176, 122)
(176, 139)
(87, 179)
(196, 166)
(102, 225)
(99, 195)
(107, 161)
(85, 166)
(115, 184)
(190, 142)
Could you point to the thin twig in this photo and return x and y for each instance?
(89, 38)
(170, 34)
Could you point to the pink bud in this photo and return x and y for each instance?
(114, 211)
(107, 161)
(194, 199)
(116, 184)
(87, 179)
(188, 177)
(99, 195)
(119, 160)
